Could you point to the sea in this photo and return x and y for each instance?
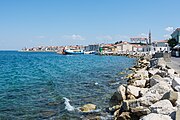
(47, 85)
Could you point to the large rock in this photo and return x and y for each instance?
(171, 71)
(143, 91)
(114, 108)
(124, 116)
(162, 74)
(155, 93)
(154, 116)
(171, 96)
(118, 96)
(129, 104)
(176, 83)
(162, 107)
(132, 90)
(142, 73)
(157, 78)
(153, 71)
(130, 97)
(154, 79)
(161, 62)
(122, 91)
(88, 107)
(140, 111)
(140, 83)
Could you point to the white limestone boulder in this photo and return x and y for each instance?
(172, 96)
(154, 116)
(162, 107)
(155, 93)
(118, 96)
(157, 78)
(171, 71)
(153, 71)
(88, 107)
(132, 90)
(142, 73)
(177, 117)
(143, 91)
(122, 91)
(154, 80)
(140, 83)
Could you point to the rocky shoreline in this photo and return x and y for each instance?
(150, 93)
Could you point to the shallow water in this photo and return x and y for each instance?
(32, 85)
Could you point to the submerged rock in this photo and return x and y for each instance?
(48, 113)
(88, 107)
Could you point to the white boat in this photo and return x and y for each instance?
(73, 51)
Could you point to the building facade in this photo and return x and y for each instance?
(94, 47)
(160, 46)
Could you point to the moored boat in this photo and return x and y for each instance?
(73, 51)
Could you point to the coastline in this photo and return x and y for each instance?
(151, 92)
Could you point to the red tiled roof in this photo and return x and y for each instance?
(161, 41)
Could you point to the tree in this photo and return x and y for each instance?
(118, 42)
(172, 42)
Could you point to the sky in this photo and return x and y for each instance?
(28, 23)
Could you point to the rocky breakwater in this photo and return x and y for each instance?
(150, 93)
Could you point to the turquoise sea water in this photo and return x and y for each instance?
(32, 85)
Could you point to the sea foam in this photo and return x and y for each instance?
(68, 106)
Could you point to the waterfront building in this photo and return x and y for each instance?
(124, 47)
(160, 46)
(107, 48)
(93, 47)
(176, 35)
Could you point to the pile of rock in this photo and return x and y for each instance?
(150, 93)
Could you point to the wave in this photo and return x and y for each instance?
(68, 106)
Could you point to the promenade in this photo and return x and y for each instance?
(175, 64)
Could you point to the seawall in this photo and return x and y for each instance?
(152, 92)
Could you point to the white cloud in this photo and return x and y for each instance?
(169, 29)
(143, 35)
(74, 37)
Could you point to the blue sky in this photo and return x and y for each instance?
(27, 23)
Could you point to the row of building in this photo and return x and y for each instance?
(121, 47)
(137, 45)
